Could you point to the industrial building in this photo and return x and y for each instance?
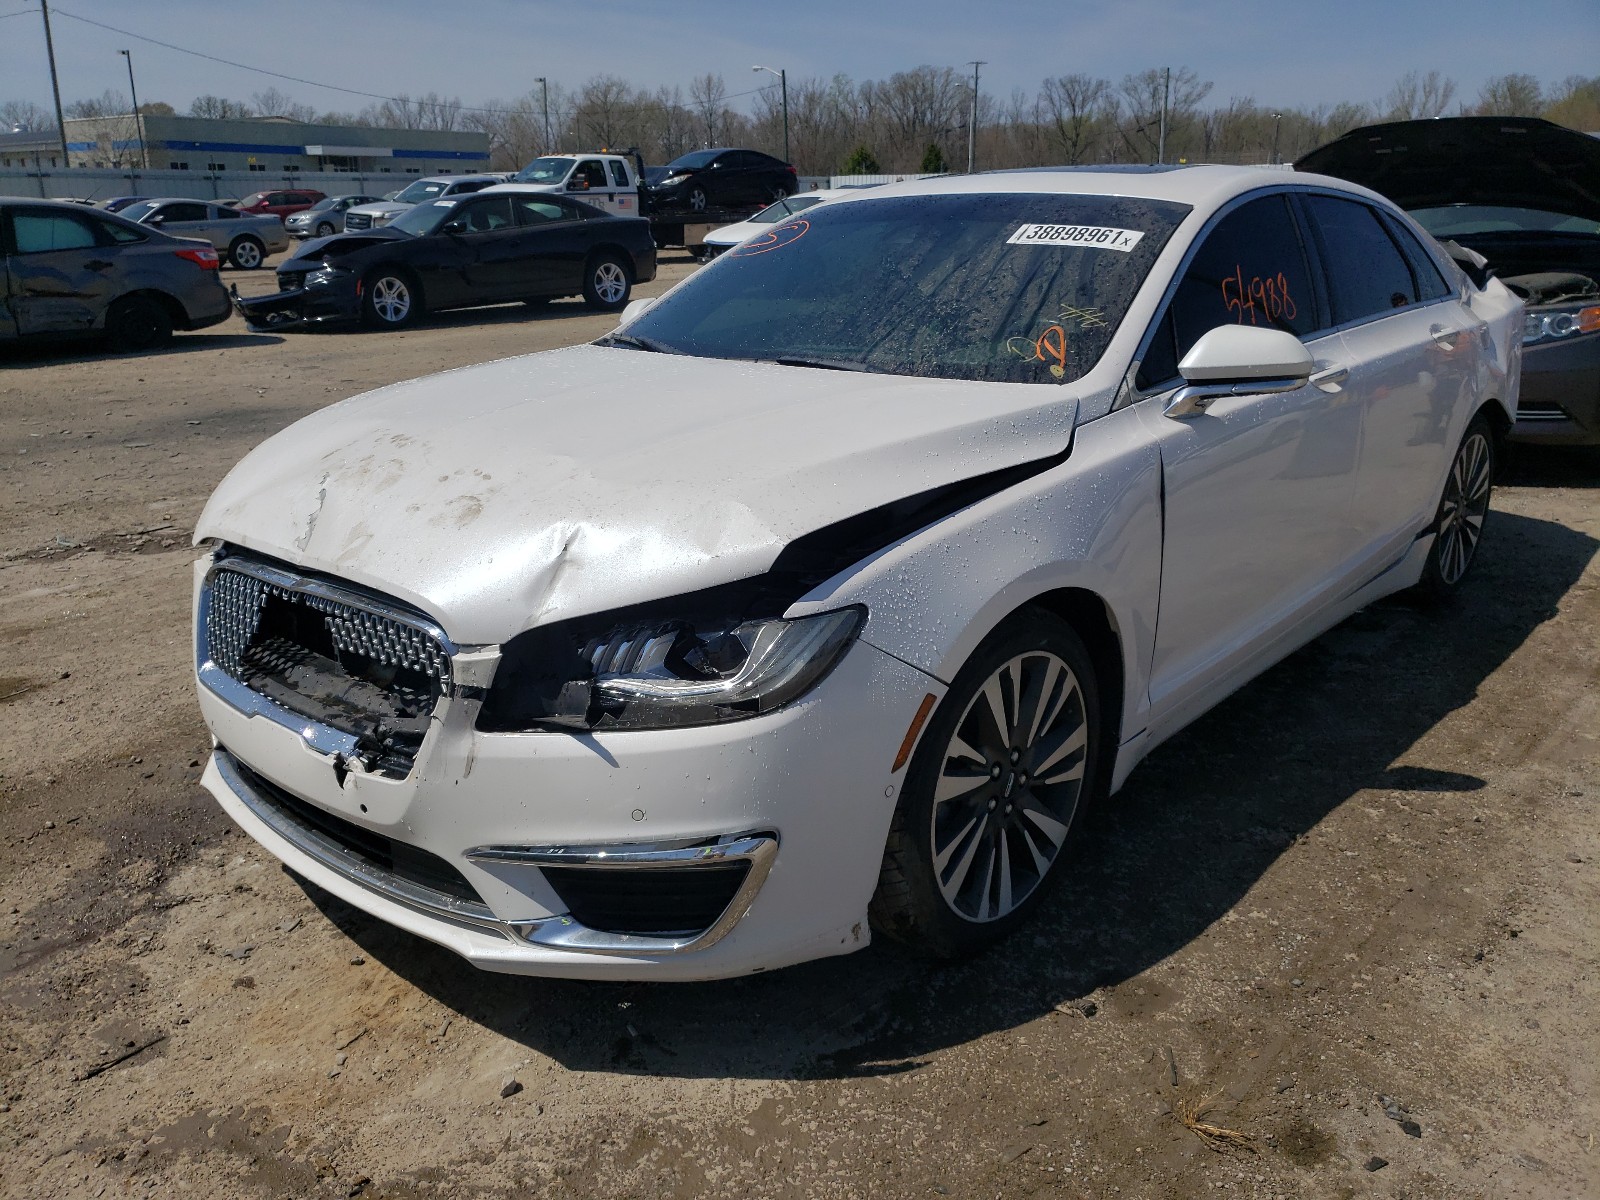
(270, 146)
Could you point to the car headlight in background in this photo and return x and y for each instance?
(660, 674)
(1541, 325)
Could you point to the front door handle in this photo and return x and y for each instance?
(1329, 378)
(1444, 336)
(98, 264)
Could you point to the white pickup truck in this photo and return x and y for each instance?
(612, 182)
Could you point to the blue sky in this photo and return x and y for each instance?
(1281, 53)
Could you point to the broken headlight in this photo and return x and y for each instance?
(662, 674)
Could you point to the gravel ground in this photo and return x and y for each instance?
(1339, 939)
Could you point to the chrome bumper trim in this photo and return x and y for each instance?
(555, 933)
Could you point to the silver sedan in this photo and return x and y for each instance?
(243, 239)
(324, 218)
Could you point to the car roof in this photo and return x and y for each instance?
(1203, 186)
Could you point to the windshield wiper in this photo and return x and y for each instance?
(822, 364)
(636, 343)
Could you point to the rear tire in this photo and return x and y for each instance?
(138, 323)
(246, 253)
(607, 283)
(390, 299)
(1463, 509)
(986, 813)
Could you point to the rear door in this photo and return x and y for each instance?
(60, 275)
(1409, 347)
(553, 243)
(187, 218)
(1257, 488)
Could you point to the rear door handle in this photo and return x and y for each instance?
(1444, 336)
(1329, 378)
(98, 264)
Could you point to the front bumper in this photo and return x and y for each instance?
(1559, 404)
(803, 796)
(299, 306)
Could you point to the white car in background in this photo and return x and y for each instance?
(437, 187)
(821, 596)
(725, 236)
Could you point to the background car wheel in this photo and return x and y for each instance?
(325, 229)
(607, 283)
(246, 253)
(984, 817)
(1462, 511)
(138, 323)
(699, 201)
(389, 300)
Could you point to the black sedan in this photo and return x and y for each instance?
(459, 252)
(1523, 196)
(705, 179)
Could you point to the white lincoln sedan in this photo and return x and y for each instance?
(822, 596)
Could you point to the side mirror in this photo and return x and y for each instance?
(454, 227)
(157, 219)
(635, 308)
(1239, 360)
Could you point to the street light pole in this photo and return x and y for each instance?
(138, 121)
(544, 95)
(1166, 96)
(783, 80)
(55, 84)
(1276, 117)
(972, 125)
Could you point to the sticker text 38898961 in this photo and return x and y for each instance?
(1092, 237)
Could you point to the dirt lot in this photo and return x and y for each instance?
(1354, 908)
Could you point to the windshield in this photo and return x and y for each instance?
(1460, 220)
(692, 161)
(422, 189)
(1005, 288)
(325, 202)
(786, 207)
(544, 170)
(139, 211)
(424, 218)
(253, 199)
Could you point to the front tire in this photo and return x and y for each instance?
(389, 299)
(699, 199)
(607, 283)
(325, 229)
(138, 323)
(1463, 508)
(990, 798)
(246, 253)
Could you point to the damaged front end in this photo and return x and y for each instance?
(311, 297)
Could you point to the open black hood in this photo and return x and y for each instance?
(1519, 162)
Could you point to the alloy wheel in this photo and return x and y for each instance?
(1009, 786)
(325, 230)
(247, 256)
(610, 282)
(1466, 503)
(391, 299)
(697, 200)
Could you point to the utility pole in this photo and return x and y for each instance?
(1276, 117)
(55, 85)
(1166, 95)
(972, 125)
(544, 96)
(138, 120)
(783, 79)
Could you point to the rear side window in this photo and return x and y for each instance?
(221, 212)
(619, 173)
(42, 232)
(539, 210)
(1367, 275)
(1250, 270)
(1431, 285)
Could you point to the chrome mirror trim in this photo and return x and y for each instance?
(1192, 399)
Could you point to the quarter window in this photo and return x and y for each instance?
(1250, 270)
(1367, 275)
(1431, 285)
(619, 173)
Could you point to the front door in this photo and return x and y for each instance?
(60, 278)
(1258, 488)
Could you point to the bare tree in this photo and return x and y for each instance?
(1074, 108)
(709, 96)
(1416, 97)
(605, 111)
(1142, 95)
(24, 115)
(913, 108)
(218, 108)
(1512, 95)
(108, 103)
(1575, 103)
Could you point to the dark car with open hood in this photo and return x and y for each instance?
(459, 252)
(1519, 197)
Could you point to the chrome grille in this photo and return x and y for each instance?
(235, 609)
(358, 221)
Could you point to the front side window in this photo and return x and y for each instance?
(1367, 275)
(1021, 288)
(591, 173)
(1250, 270)
(184, 212)
(488, 215)
(42, 232)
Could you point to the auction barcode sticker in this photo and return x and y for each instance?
(1097, 237)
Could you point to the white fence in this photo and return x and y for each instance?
(101, 183)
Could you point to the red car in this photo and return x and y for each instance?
(281, 203)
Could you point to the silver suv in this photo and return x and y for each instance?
(435, 187)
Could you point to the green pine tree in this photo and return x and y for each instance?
(861, 162)
(933, 162)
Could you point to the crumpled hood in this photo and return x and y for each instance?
(530, 490)
(1518, 162)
